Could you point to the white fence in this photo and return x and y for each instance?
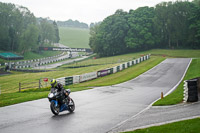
(88, 76)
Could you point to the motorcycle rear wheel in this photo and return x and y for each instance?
(55, 110)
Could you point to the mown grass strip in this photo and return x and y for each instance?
(177, 96)
(186, 126)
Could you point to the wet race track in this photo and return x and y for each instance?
(98, 110)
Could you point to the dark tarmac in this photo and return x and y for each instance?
(159, 115)
(99, 110)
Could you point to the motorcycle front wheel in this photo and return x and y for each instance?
(71, 106)
(55, 110)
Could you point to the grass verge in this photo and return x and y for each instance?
(177, 96)
(28, 95)
(186, 126)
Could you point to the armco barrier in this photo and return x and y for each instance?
(68, 80)
(61, 80)
(115, 69)
(88, 76)
(102, 73)
(138, 61)
(128, 64)
(121, 67)
(111, 70)
(105, 72)
(118, 68)
(76, 79)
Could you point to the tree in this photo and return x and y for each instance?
(46, 32)
(108, 38)
(56, 30)
(93, 42)
(172, 20)
(140, 33)
(20, 32)
(29, 39)
(168, 25)
(194, 20)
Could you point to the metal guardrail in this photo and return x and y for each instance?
(87, 76)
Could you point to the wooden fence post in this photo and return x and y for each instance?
(19, 87)
(39, 83)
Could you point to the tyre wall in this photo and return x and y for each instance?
(191, 90)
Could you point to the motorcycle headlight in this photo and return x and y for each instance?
(50, 95)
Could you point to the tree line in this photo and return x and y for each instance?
(172, 25)
(71, 23)
(21, 31)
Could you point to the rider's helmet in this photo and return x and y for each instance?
(54, 83)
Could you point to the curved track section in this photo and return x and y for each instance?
(97, 110)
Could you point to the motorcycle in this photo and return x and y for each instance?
(59, 103)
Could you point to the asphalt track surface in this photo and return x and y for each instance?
(98, 110)
(159, 115)
(54, 65)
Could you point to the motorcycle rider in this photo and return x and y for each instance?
(59, 86)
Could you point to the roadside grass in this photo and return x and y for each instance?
(19, 97)
(74, 37)
(10, 83)
(124, 75)
(105, 60)
(33, 94)
(177, 96)
(186, 126)
(176, 53)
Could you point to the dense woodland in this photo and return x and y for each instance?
(21, 31)
(71, 23)
(171, 25)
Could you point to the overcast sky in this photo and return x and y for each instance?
(86, 11)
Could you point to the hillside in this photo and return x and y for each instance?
(71, 23)
(74, 37)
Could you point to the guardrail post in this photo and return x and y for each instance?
(19, 87)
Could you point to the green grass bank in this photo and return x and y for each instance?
(74, 37)
(9, 84)
(12, 96)
(186, 126)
